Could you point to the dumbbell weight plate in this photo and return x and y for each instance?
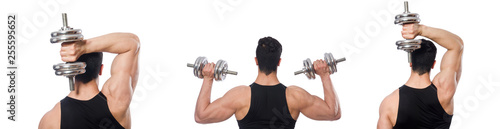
(407, 17)
(66, 38)
(70, 72)
(198, 66)
(407, 20)
(220, 70)
(415, 15)
(67, 66)
(309, 69)
(330, 61)
(66, 32)
(70, 69)
(409, 45)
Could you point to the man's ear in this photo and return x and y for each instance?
(279, 62)
(256, 61)
(433, 64)
(100, 71)
(411, 65)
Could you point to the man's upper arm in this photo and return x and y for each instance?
(224, 107)
(449, 76)
(310, 105)
(124, 73)
(452, 63)
(124, 68)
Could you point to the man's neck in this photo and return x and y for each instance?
(263, 79)
(418, 81)
(84, 91)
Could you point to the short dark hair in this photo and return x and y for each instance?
(422, 59)
(94, 62)
(268, 54)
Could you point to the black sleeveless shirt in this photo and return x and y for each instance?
(90, 114)
(420, 109)
(268, 109)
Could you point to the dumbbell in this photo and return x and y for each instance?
(308, 69)
(68, 69)
(220, 70)
(408, 45)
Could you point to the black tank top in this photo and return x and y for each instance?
(420, 109)
(268, 109)
(90, 114)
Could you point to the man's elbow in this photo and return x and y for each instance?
(460, 43)
(337, 117)
(200, 119)
(333, 116)
(134, 39)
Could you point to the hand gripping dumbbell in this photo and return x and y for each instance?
(220, 70)
(408, 45)
(308, 69)
(68, 69)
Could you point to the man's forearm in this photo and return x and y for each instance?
(204, 97)
(113, 43)
(331, 98)
(444, 38)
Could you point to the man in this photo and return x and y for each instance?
(420, 102)
(267, 103)
(86, 107)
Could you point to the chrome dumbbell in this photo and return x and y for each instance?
(220, 70)
(308, 69)
(68, 69)
(408, 45)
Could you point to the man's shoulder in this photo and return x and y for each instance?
(296, 94)
(390, 102)
(394, 96)
(241, 87)
(296, 91)
(239, 90)
(294, 88)
(51, 119)
(239, 96)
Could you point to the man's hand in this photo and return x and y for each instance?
(208, 71)
(71, 51)
(321, 68)
(410, 31)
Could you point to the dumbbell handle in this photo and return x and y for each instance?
(299, 72)
(71, 83)
(231, 72)
(407, 10)
(340, 60)
(303, 71)
(65, 20)
(228, 71)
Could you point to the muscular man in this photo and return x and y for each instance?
(267, 103)
(421, 103)
(86, 107)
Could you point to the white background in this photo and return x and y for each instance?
(175, 32)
